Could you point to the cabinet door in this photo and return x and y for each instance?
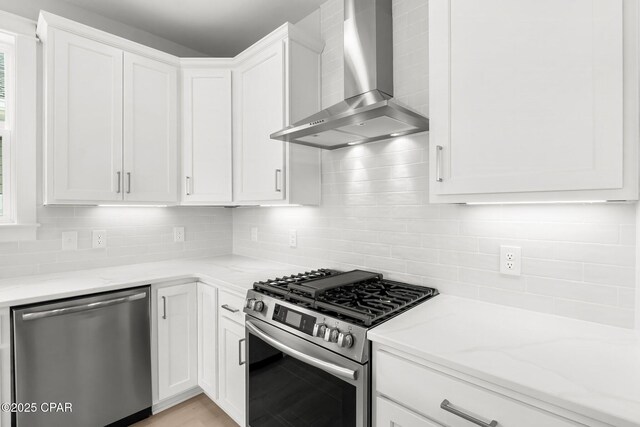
(232, 369)
(206, 136)
(84, 119)
(389, 414)
(207, 334)
(259, 93)
(177, 339)
(525, 96)
(150, 130)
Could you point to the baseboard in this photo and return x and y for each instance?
(173, 401)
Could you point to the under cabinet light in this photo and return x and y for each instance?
(547, 202)
(133, 206)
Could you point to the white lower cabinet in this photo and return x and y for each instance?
(428, 395)
(207, 334)
(177, 323)
(232, 374)
(390, 414)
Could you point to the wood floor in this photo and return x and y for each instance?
(199, 411)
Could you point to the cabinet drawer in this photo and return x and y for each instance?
(391, 414)
(231, 306)
(423, 390)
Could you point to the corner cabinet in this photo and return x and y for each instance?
(110, 117)
(206, 132)
(275, 82)
(523, 110)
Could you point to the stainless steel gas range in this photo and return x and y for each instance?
(307, 348)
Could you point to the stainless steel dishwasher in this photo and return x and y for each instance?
(90, 354)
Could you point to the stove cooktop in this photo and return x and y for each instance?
(359, 297)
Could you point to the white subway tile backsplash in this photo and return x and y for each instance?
(516, 299)
(615, 316)
(133, 235)
(580, 291)
(597, 253)
(552, 268)
(610, 275)
(491, 279)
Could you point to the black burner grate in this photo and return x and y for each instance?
(367, 302)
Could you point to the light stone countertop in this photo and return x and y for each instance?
(235, 272)
(581, 366)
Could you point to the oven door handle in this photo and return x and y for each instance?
(331, 368)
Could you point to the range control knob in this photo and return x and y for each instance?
(345, 339)
(250, 303)
(318, 330)
(258, 306)
(331, 335)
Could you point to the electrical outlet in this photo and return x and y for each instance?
(99, 239)
(70, 240)
(254, 234)
(293, 238)
(510, 260)
(178, 234)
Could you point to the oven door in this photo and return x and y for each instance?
(293, 382)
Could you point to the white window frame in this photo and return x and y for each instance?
(17, 35)
(8, 214)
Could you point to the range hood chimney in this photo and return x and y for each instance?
(369, 112)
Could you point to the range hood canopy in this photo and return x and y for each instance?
(369, 113)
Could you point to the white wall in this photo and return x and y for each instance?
(578, 260)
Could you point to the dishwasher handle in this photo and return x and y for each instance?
(83, 307)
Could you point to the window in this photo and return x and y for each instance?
(6, 125)
(18, 124)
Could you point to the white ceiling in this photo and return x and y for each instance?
(220, 28)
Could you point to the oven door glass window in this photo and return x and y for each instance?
(284, 391)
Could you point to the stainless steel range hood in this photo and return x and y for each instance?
(368, 113)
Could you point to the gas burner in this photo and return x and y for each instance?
(359, 297)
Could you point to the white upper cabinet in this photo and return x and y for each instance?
(276, 82)
(150, 130)
(110, 117)
(533, 100)
(206, 133)
(260, 97)
(83, 119)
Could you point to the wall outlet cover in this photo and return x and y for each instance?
(510, 260)
(69, 240)
(178, 234)
(99, 239)
(254, 234)
(293, 238)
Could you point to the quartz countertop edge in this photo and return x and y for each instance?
(233, 272)
(583, 367)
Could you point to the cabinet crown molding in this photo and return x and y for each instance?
(47, 19)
